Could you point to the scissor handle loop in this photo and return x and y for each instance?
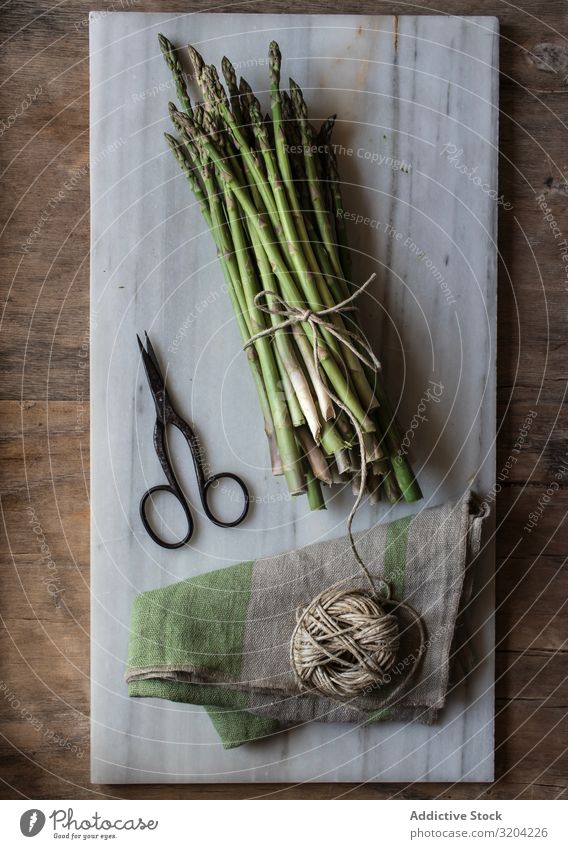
(150, 530)
(204, 496)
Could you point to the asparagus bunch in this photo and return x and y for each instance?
(269, 190)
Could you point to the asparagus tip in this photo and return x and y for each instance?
(274, 54)
(197, 60)
(165, 43)
(244, 87)
(298, 100)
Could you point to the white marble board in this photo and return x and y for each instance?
(406, 90)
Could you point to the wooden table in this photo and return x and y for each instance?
(44, 406)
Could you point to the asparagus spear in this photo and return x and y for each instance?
(173, 63)
(315, 497)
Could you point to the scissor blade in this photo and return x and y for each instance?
(152, 353)
(155, 379)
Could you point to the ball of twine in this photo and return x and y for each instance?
(344, 643)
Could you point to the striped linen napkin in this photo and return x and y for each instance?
(222, 639)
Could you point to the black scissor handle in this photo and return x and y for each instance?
(209, 513)
(150, 530)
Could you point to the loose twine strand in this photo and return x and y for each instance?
(344, 642)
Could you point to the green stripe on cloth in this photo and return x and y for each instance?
(168, 635)
(394, 568)
(395, 555)
(180, 625)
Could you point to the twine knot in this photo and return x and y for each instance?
(344, 643)
(273, 304)
(306, 315)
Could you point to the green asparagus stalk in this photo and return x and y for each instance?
(280, 412)
(233, 89)
(338, 213)
(299, 385)
(315, 496)
(173, 63)
(311, 171)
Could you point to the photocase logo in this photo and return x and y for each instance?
(32, 822)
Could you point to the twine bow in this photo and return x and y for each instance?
(316, 318)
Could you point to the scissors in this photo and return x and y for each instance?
(166, 415)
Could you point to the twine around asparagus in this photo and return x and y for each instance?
(344, 642)
(297, 315)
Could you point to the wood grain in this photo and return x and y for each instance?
(44, 545)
